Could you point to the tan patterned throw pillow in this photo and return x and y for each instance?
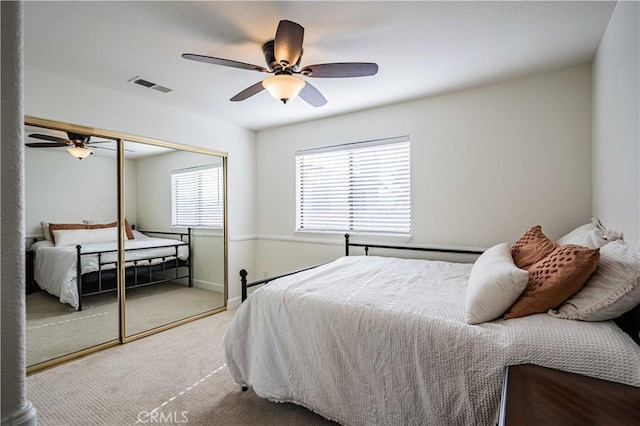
(101, 225)
(554, 279)
(128, 230)
(531, 248)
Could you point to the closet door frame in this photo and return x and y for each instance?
(120, 139)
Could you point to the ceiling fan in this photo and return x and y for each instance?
(283, 56)
(77, 144)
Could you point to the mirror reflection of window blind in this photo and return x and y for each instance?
(196, 197)
(361, 187)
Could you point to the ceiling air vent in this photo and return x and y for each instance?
(149, 84)
(161, 88)
(144, 83)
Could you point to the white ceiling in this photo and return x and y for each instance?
(422, 48)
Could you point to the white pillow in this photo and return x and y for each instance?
(612, 290)
(592, 235)
(73, 237)
(45, 226)
(139, 235)
(494, 285)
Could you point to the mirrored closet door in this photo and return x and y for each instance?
(177, 254)
(64, 198)
(126, 237)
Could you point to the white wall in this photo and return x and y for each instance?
(60, 188)
(73, 101)
(487, 164)
(616, 132)
(154, 185)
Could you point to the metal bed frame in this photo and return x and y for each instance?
(347, 244)
(629, 322)
(106, 279)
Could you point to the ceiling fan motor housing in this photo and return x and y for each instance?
(77, 138)
(273, 64)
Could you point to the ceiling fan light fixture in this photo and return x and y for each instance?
(283, 87)
(79, 152)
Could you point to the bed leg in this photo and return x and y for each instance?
(79, 275)
(190, 259)
(245, 388)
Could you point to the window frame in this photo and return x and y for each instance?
(218, 211)
(354, 215)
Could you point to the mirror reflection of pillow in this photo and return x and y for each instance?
(73, 237)
(139, 235)
(107, 224)
(51, 227)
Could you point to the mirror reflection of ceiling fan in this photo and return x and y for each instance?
(283, 56)
(78, 145)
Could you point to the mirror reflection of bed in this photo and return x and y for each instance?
(174, 272)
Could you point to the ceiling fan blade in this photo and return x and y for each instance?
(288, 42)
(248, 92)
(49, 138)
(45, 144)
(340, 70)
(223, 62)
(312, 96)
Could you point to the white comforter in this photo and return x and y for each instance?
(382, 341)
(55, 267)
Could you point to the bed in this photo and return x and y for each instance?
(381, 340)
(73, 271)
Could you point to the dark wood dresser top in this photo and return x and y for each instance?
(534, 395)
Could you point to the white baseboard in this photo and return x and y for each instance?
(27, 416)
(207, 285)
(234, 303)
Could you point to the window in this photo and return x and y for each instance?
(360, 187)
(196, 197)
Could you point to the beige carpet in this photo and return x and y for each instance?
(55, 329)
(180, 372)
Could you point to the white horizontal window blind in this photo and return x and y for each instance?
(361, 187)
(196, 197)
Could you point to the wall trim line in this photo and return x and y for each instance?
(239, 238)
(364, 238)
(289, 239)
